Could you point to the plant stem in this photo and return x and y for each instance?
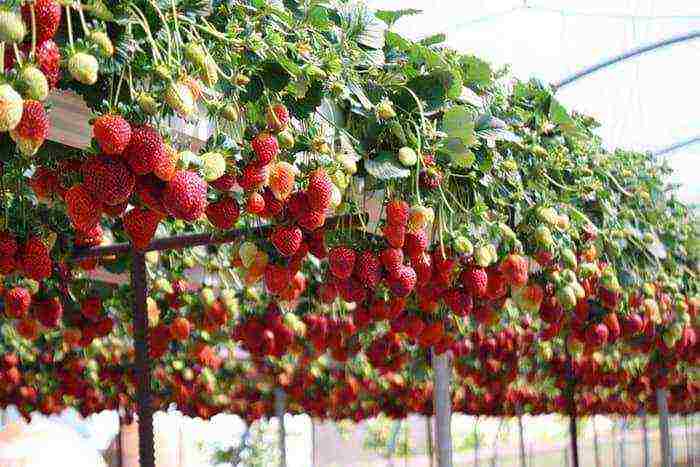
(33, 14)
(18, 55)
(79, 7)
(70, 26)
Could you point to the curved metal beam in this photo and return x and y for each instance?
(678, 145)
(624, 56)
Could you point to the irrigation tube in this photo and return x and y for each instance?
(624, 56)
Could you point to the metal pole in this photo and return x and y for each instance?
(596, 447)
(429, 440)
(477, 443)
(623, 439)
(624, 56)
(280, 409)
(645, 432)
(574, 439)
(676, 146)
(523, 462)
(662, 403)
(687, 441)
(442, 371)
(314, 441)
(120, 448)
(139, 288)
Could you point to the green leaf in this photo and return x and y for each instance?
(458, 122)
(392, 16)
(460, 154)
(385, 167)
(477, 73)
(434, 39)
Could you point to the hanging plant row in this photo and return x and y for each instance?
(388, 197)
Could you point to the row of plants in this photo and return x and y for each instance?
(392, 198)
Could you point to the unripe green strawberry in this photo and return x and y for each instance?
(543, 236)
(162, 285)
(148, 104)
(408, 156)
(98, 9)
(648, 238)
(587, 270)
(195, 53)
(103, 43)
(213, 166)
(568, 276)
(506, 232)
(579, 291)
(385, 110)
(33, 83)
(567, 297)
(569, 258)
(207, 296)
(230, 112)
(285, 139)
(609, 280)
(12, 27)
(152, 258)
(548, 215)
(348, 162)
(178, 365)
(180, 98)
(11, 108)
(482, 256)
(209, 72)
(84, 68)
(464, 245)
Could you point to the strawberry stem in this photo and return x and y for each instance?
(2, 57)
(18, 55)
(70, 26)
(33, 14)
(86, 31)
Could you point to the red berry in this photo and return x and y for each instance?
(277, 118)
(224, 213)
(226, 182)
(145, 151)
(185, 196)
(253, 177)
(277, 278)
(35, 260)
(475, 281)
(392, 258)
(49, 59)
(395, 235)
(403, 281)
(341, 261)
(368, 269)
(320, 190)
(397, 212)
(83, 209)
(416, 243)
(112, 133)
(33, 128)
(255, 203)
(312, 220)
(8, 244)
(515, 270)
(108, 179)
(140, 225)
(180, 329)
(47, 14)
(286, 239)
(265, 147)
(49, 312)
(17, 301)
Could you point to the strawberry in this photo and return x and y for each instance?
(515, 270)
(8, 264)
(430, 179)
(253, 177)
(84, 68)
(475, 281)
(459, 302)
(33, 128)
(281, 180)
(224, 213)
(391, 259)
(277, 118)
(341, 261)
(83, 209)
(112, 133)
(49, 312)
(397, 212)
(368, 269)
(35, 260)
(328, 292)
(297, 205)
(416, 243)
(286, 239)
(17, 302)
(226, 182)
(265, 148)
(47, 14)
(44, 183)
(108, 179)
(32, 83)
(395, 235)
(165, 170)
(49, 60)
(423, 265)
(12, 28)
(277, 278)
(255, 203)
(145, 151)
(319, 190)
(140, 225)
(185, 196)
(311, 220)
(8, 244)
(402, 281)
(273, 206)
(89, 239)
(180, 329)
(150, 190)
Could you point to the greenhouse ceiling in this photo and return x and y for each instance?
(645, 103)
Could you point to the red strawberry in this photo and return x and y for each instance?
(83, 209)
(8, 244)
(150, 189)
(47, 14)
(423, 265)
(341, 261)
(255, 203)
(391, 259)
(8, 264)
(108, 179)
(277, 118)
(368, 269)
(17, 302)
(44, 183)
(33, 128)
(416, 243)
(397, 212)
(49, 59)
(89, 239)
(145, 151)
(180, 329)
(515, 270)
(312, 220)
(328, 292)
(140, 225)
(273, 206)
(49, 312)
(402, 281)
(459, 302)
(430, 179)
(395, 235)
(286, 239)
(224, 213)
(254, 177)
(319, 191)
(35, 260)
(185, 196)
(226, 182)
(265, 147)
(475, 281)
(277, 278)
(112, 133)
